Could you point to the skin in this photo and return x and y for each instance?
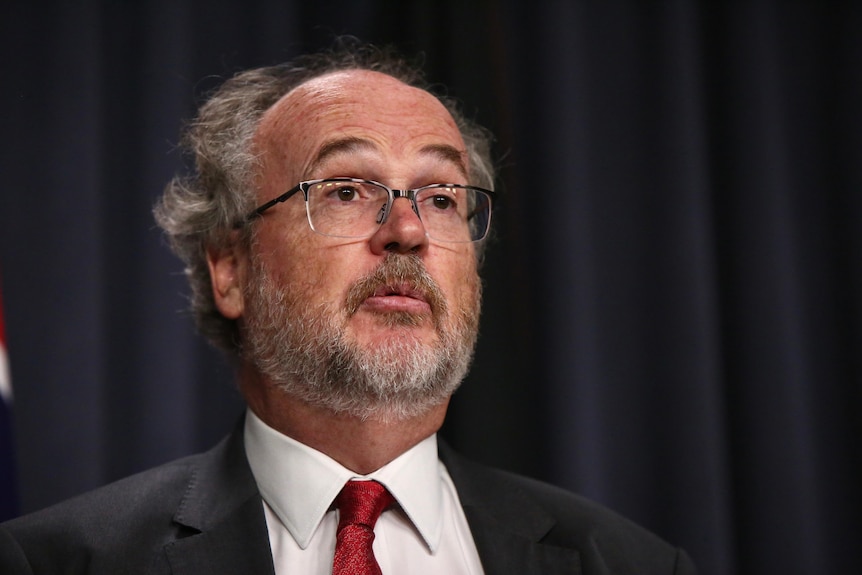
(359, 124)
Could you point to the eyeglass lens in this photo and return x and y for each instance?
(353, 209)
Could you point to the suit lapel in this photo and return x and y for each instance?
(222, 528)
(236, 545)
(222, 517)
(507, 527)
(504, 551)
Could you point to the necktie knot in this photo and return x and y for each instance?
(360, 504)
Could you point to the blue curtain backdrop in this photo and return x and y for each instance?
(673, 321)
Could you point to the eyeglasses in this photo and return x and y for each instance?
(354, 208)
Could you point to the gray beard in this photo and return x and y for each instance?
(303, 350)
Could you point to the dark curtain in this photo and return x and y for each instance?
(673, 318)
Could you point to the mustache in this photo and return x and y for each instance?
(396, 272)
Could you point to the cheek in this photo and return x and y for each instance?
(461, 281)
(470, 287)
(284, 248)
(302, 274)
(311, 266)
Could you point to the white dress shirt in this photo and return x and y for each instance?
(426, 533)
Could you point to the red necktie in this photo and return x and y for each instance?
(359, 504)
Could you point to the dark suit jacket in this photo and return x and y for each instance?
(204, 515)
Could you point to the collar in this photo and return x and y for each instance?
(300, 483)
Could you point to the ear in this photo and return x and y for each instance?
(227, 266)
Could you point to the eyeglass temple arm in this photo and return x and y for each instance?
(479, 208)
(257, 212)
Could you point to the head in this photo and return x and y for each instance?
(310, 312)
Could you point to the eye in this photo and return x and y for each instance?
(337, 191)
(346, 193)
(442, 202)
(440, 199)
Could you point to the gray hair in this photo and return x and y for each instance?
(202, 210)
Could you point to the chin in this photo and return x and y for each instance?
(403, 324)
(384, 336)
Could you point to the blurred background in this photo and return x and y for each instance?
(673, 318)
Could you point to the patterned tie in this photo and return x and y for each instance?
(359, 504)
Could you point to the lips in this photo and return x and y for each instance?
(400, 298)
(403, 290)
(400, 284)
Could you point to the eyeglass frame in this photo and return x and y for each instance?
(394, 194)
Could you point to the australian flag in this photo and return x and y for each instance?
(8, 483)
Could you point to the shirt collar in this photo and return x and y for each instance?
(300, 483)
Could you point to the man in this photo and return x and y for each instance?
(332, 234)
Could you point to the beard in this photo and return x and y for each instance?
(303, 349)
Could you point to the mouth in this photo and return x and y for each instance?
(399, 290)
(399, 287)
(402, 297)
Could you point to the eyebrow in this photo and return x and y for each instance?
(339, 146)
(444, 152)
(447, 153)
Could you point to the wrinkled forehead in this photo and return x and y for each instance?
(354, 103)
(361, 91)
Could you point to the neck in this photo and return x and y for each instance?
(361, 445)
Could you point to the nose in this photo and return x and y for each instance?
(402, 232)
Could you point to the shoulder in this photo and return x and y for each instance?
(606, 541)
(145, 494)
(109, 529)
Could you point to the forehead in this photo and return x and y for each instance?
(388, 115)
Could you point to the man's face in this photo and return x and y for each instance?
(381, 326)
